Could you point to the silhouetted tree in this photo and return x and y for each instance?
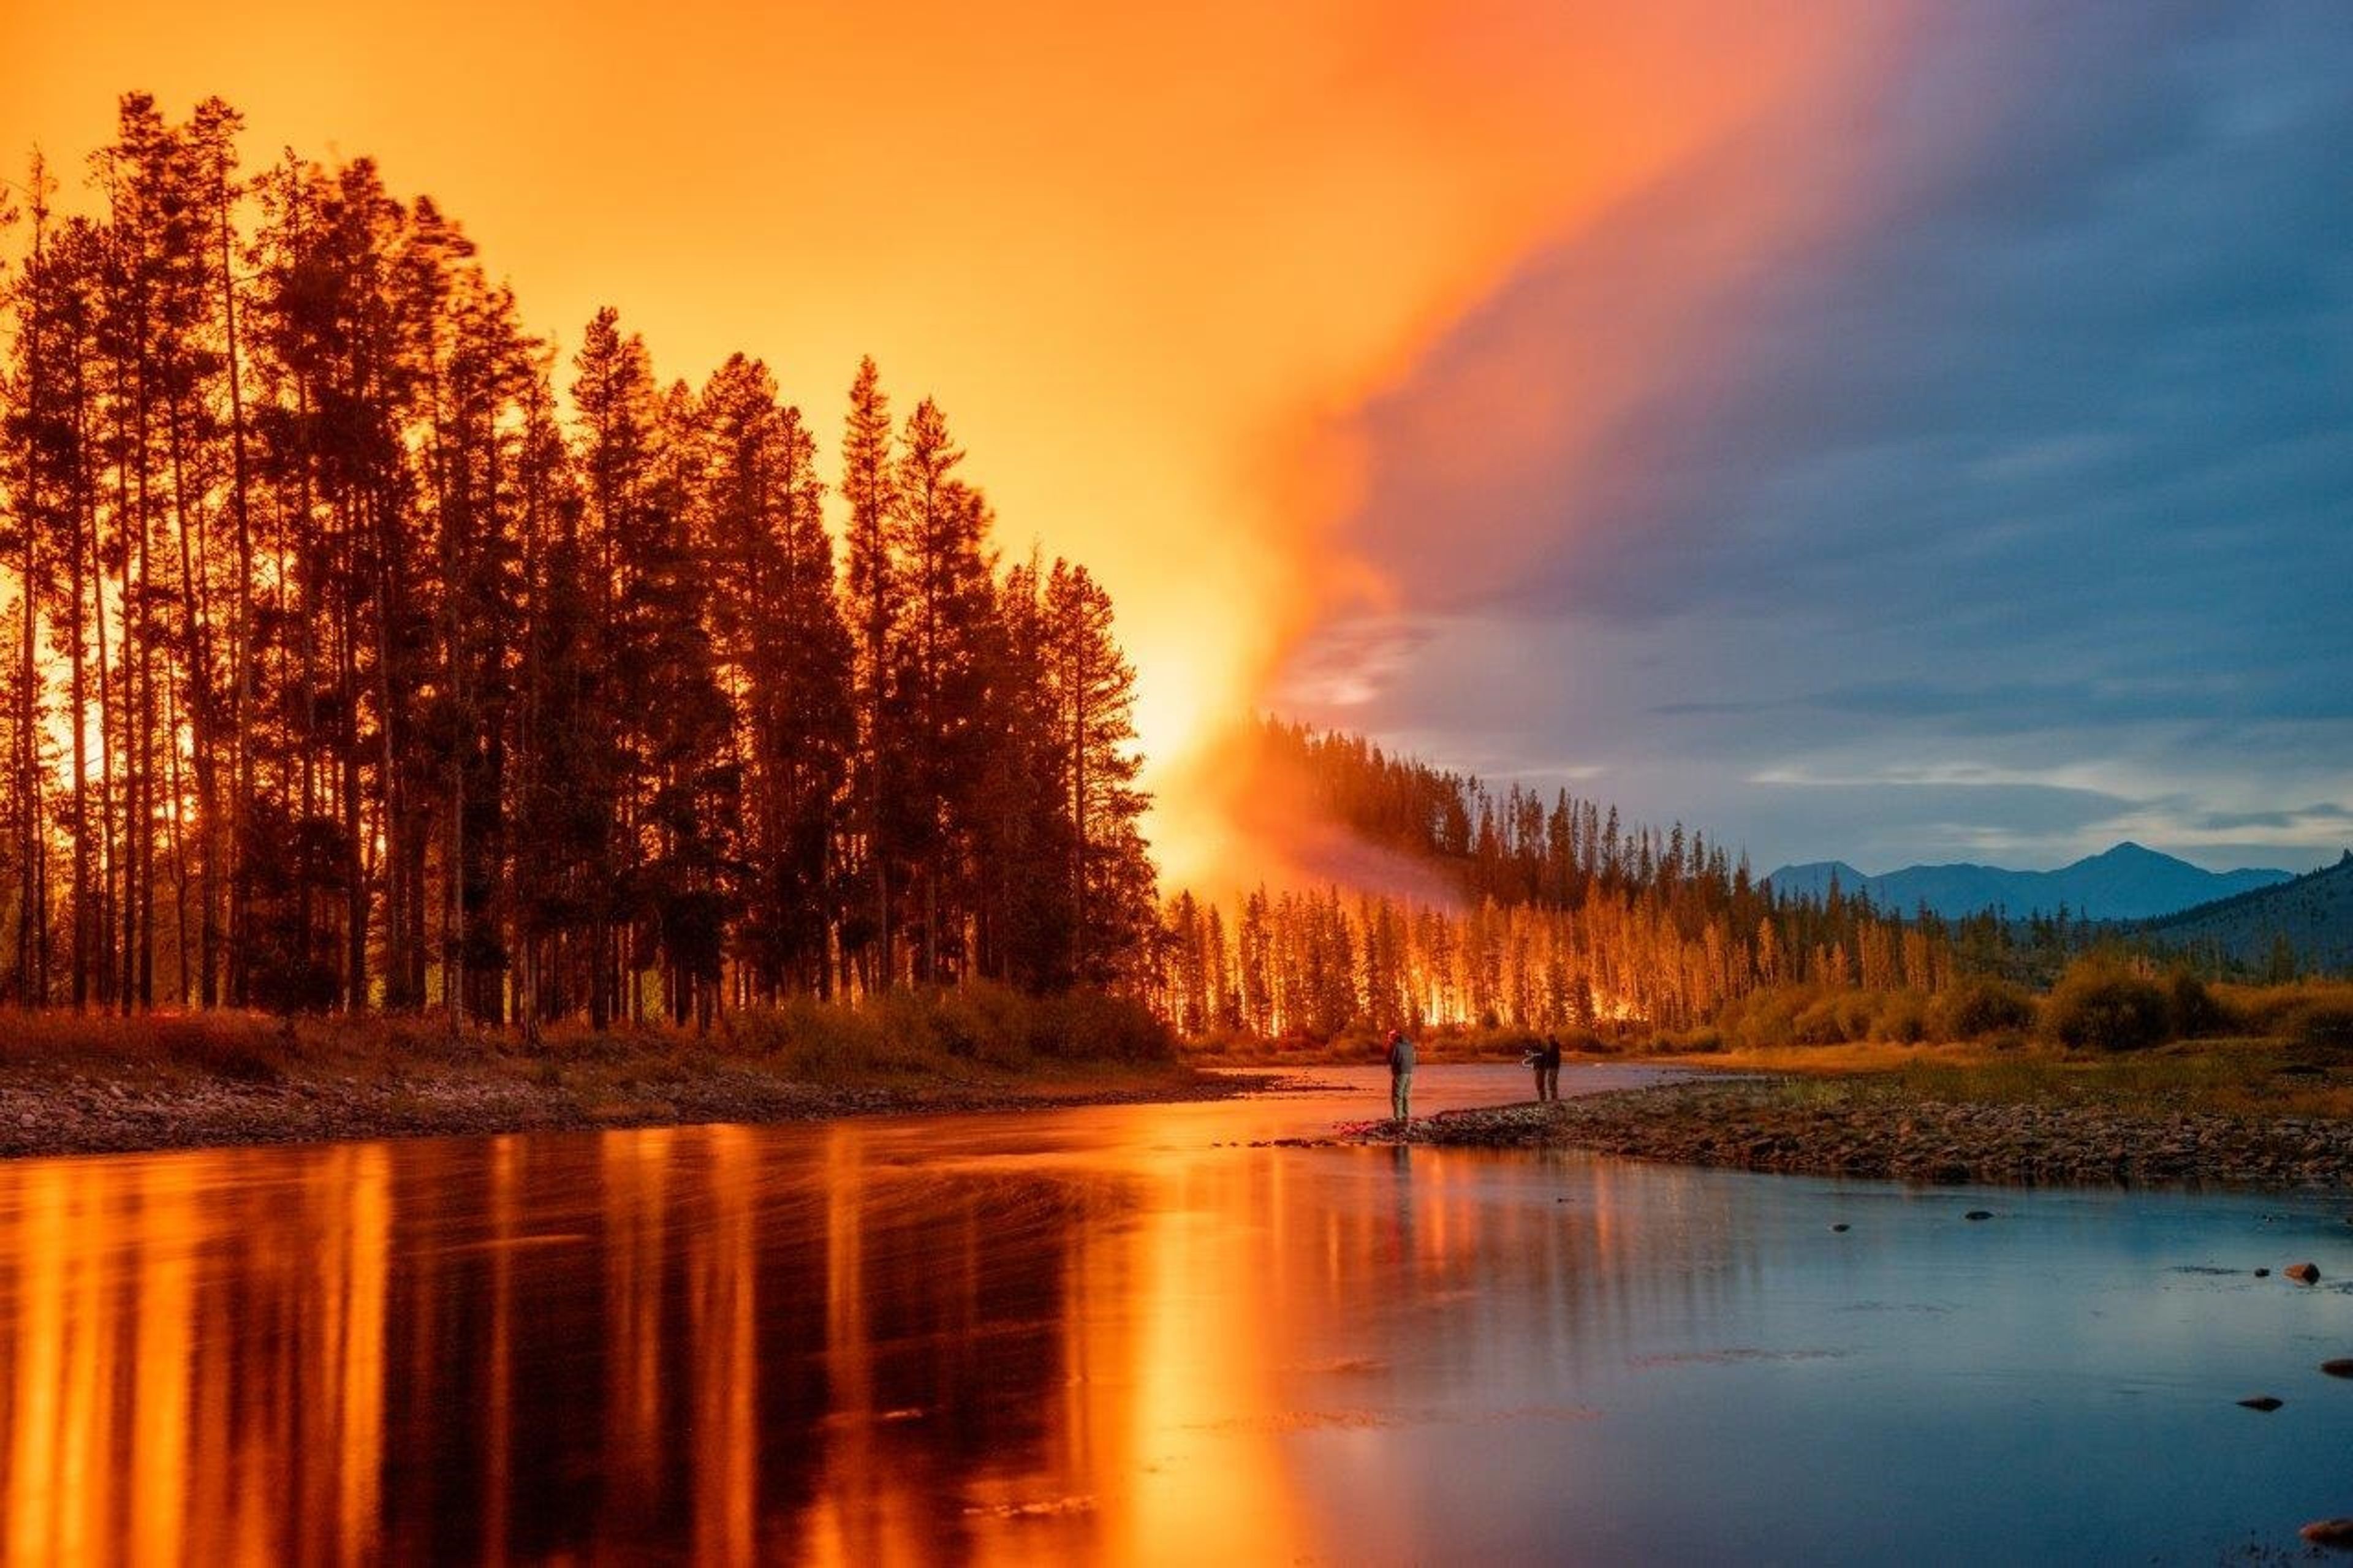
(346, 667)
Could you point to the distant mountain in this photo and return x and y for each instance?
(2124, 883)
(2313, 912)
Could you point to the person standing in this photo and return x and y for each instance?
(1400, 1077)
(1548, 1070)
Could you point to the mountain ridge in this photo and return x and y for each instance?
(2306, 922)
(2127, 881)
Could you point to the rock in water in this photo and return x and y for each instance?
(2329, 1533)
(2261, 1402)
(1840, 1225)
(2303, 1273)
(2262, 1273)
(2341, 1366)
(1978, 1213)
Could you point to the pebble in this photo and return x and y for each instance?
(1978, 1213)
(1855, 1128)
(2262, 1402)
(2329, 1533)
(1842, 1225)
(2303, 1273)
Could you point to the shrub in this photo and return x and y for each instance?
(235, 1046)
(1767, 1018)
(1903, 1018)
(2326, 1022)
(2264, 1009)
(2096, 1007)
(1980, 1007)
(1094, 1025)
(2279, 1011)
(2191, 1009)
(1836, 1019)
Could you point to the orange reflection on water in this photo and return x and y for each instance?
(724, 1314)
(193, 1374)
(854, 1344)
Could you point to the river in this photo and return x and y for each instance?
(1137, 1335)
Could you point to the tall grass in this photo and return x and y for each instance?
(973, 1031)
(918, 1033)
(2099, 1003)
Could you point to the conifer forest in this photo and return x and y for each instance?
(364, 653)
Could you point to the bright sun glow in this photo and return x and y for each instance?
(1148, 270)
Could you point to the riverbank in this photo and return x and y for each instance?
(1884, 1128)
(74, 1086)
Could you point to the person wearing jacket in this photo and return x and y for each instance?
(1400, 1077)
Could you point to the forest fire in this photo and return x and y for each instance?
(227, 463)
(1163, 387)
(1550, 915)
(836, 782)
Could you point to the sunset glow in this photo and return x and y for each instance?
(1045, 782)
(1151, 270)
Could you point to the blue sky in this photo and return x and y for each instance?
(1999, 509)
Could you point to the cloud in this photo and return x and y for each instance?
(2032, 454)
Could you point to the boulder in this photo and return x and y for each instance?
(2303, 1273)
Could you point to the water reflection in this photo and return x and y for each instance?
(1100, 1335)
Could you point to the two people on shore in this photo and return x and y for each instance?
(1545, 1059)
(1400, 1077)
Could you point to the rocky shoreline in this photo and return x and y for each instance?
(1855, 1128)
(94, 1111)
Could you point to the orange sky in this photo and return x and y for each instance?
(1149, 264)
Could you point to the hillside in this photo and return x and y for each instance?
(2127, 882)
(2314, 913)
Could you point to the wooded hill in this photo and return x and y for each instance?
(2275, 933)
(359, 655)
(1563, 918)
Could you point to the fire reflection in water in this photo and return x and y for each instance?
(857, 1344)
(194, 1370)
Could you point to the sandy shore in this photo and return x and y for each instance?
(1857, 1128)
(93, 1109)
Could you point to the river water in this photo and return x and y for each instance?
(1127, 1334)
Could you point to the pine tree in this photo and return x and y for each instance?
(622, 546)
(786, 654)
(1093, 691)
(382, 683)
(931, 727)
(28, 478)
(1027, 910)
(869, 487)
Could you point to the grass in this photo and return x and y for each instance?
(980, 1036)
(2263, 1078)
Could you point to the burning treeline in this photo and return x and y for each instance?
(347, 666)
(360, 654)
(1561, 919)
